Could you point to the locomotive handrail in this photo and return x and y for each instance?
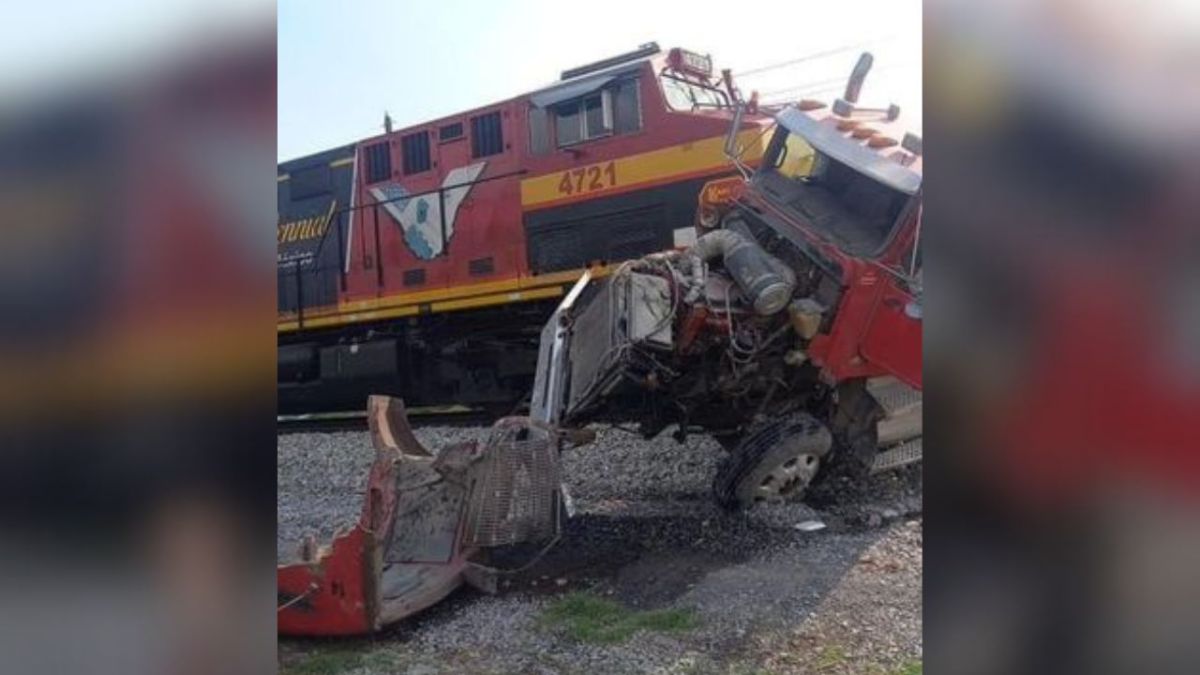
(375, 204)
(339, 221)
(510, 174)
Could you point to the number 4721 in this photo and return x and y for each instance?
(587, 179)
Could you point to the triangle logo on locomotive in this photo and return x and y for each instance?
(420, 216)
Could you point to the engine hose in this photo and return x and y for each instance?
(766, 281)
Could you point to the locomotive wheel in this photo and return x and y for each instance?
(774, 463)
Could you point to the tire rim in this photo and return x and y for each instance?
(786, 478)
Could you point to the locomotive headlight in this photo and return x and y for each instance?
(690, 62)
(697, 63)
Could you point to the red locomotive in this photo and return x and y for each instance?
(422, 262)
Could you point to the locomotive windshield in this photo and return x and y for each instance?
(848, 193)
(685, 94)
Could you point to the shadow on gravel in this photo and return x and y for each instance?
(742, 573)
(646, 561)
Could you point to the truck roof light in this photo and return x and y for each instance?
(912, 143)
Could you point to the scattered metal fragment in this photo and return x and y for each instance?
(424, 519)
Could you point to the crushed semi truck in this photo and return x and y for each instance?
(790, 329)
(787, 326)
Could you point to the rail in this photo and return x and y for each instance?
(440, 416)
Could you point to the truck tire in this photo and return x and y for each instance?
(775, 462)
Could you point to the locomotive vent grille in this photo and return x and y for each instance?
(481, 266)
(414, 277)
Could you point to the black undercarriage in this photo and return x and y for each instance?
(481, 358)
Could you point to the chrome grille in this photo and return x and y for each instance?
(513, 487)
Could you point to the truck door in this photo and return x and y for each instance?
(893, 335)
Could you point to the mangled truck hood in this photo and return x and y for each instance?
(425, 517)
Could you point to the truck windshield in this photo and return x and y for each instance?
(688, 95)
(856, 211)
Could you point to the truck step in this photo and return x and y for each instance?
(895, 397)
(899, 456)
(900, 428)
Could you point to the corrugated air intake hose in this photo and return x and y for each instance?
(766, 282)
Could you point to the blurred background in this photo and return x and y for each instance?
(1063, 322)
(137, 155)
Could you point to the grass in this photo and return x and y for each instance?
(329, 662)
(831, 656)
(588, 618)
(740, 668)
(911, 668)
(340, 660)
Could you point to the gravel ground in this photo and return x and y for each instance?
(767, 596)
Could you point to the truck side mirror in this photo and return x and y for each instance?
(914, 307)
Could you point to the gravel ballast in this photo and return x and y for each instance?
(647, 534)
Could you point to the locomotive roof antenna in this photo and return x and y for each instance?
(387, 122)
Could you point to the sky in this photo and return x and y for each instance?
(343, 64)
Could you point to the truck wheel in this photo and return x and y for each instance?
(773, 463)
(729, 441)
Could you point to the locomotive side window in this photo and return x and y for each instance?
(379, 162)
(450, 132)
(567, 123)
(487, 138)
(584, 119)
(613, 109)
(597, 116)
(539, 130)
(414, 151)
(627, 108)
